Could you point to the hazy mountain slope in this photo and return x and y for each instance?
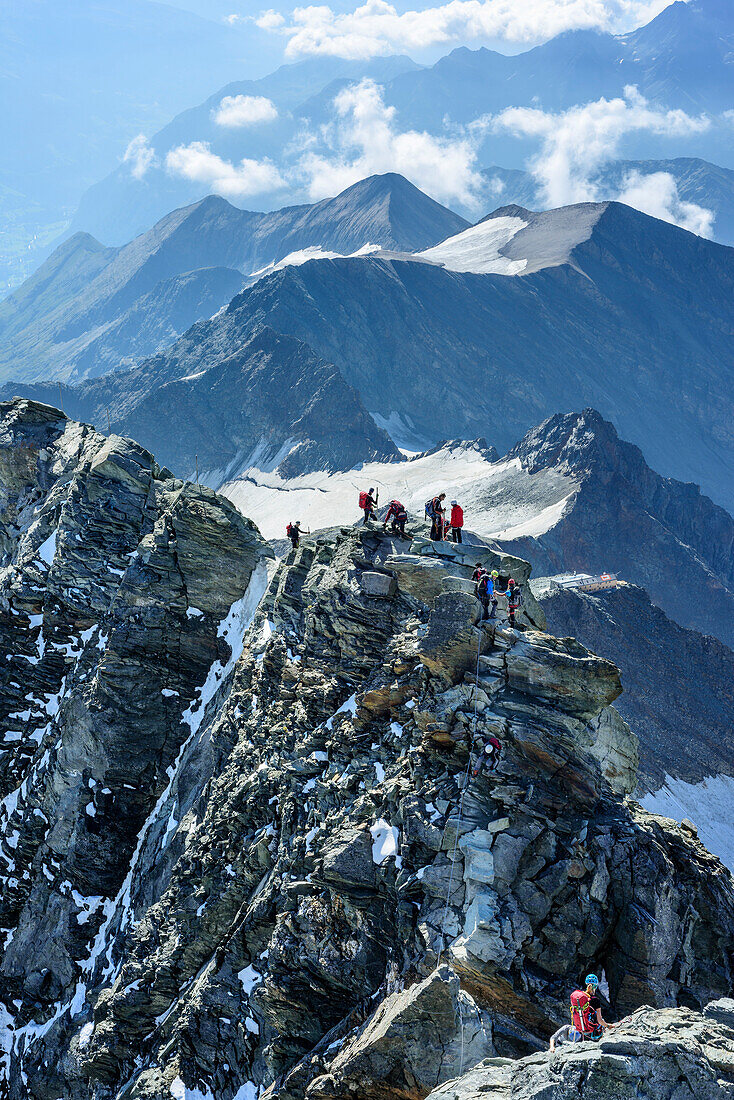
(120, 206)
(79, 80)
(156, 319)
(641, 314)
(88, 308)
(271, 403)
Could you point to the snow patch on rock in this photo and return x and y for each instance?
(707, 804)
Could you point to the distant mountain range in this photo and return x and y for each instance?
(90, 309)
(682, 59)
(706, 185)
(487, 333)
(78, 81)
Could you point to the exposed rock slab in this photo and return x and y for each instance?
(416, 1040)
(670, 1054)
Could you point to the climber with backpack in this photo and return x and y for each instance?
(489, 757)
(586, 1017)
(514, 600)
(368, 502)
(476, 576)
(397, 513)
(434, 511)
(293, 531)
(592, 988)
(485, 592)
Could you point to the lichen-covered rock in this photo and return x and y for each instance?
(672, 1054)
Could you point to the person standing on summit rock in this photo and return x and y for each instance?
(435, 511)
(457, 520)
(367, 503)
(293, 531)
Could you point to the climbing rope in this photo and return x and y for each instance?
(461, 801)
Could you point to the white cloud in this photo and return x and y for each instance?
(657, 194)
(364, 142)
(376, 27)
(244, 110)
(234, 181)
(270, 20)
(576, 143)
(140, 156)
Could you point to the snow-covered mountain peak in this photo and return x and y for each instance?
(479, 249)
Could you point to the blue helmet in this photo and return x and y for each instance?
(591, 979)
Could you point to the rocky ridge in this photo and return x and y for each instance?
(655, 1055)
(676, 695)
(269, 912)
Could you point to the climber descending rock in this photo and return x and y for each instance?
(489, 757)
(398, 515)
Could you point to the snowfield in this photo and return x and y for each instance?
(497, 497)
(478, 249)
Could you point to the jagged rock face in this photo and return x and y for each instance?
(623, 517)
(312, 852)
(676, 695)
(670, 1054)
(415, 1040)
(114, 583)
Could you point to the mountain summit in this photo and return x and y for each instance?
(90, 309)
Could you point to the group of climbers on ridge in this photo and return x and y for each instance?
(489, 582)
(442, 527)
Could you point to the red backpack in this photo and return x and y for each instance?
(289, 530)
(363, 499)
(581, 1012)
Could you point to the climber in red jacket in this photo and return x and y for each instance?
(457, 520)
